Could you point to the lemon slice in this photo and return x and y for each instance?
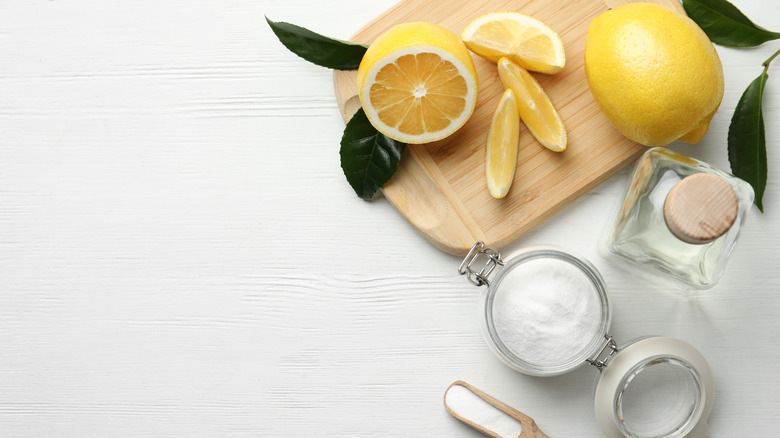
(417, 83)
(502, 144)
(525, 40)
(535, 108)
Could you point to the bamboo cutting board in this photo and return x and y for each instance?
(440, 187)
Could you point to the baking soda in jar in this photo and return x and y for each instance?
(549, 313)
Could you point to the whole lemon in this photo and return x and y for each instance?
(654, 73)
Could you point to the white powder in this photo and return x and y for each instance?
(469, 406)
(546, 311)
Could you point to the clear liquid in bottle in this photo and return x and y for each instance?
(642, 238)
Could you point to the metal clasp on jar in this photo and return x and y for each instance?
(604, 354)
(480, 255)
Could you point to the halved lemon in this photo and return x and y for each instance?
(502, 143)
(417, 83)
(523, 39)
(535, 108)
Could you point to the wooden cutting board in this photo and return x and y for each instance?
(440, 187)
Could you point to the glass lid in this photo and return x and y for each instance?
(655, 388)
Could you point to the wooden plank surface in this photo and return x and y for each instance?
(181, 256)
(440, 187)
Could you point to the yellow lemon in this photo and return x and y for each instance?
(525, 40)
(535, 108)
(417, 83)
(654, 73)
(502, 144)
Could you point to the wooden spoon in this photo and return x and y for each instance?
(493, 417)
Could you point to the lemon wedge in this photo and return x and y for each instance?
(502, 143)
(525, 40)
(417, 83)
(535, 108)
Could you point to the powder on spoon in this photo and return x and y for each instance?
(546, 311)
(465, 404)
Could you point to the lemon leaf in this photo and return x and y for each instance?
(746, 138)
(318, 49)
(368, 157)
(726, 25)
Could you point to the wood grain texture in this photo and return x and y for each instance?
(443, 193)
(181, 256)
(700, 208)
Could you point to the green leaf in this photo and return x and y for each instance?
(724, 24)
(747, 143)
(368, 157)
(318, 49)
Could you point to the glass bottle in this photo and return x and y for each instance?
(680, 218)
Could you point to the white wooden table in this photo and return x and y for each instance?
(180, 254)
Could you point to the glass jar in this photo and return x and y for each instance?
(680, 219)
(655, 387)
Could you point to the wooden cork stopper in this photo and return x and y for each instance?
(700, 208)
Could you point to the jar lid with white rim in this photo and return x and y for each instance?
(546, 312)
